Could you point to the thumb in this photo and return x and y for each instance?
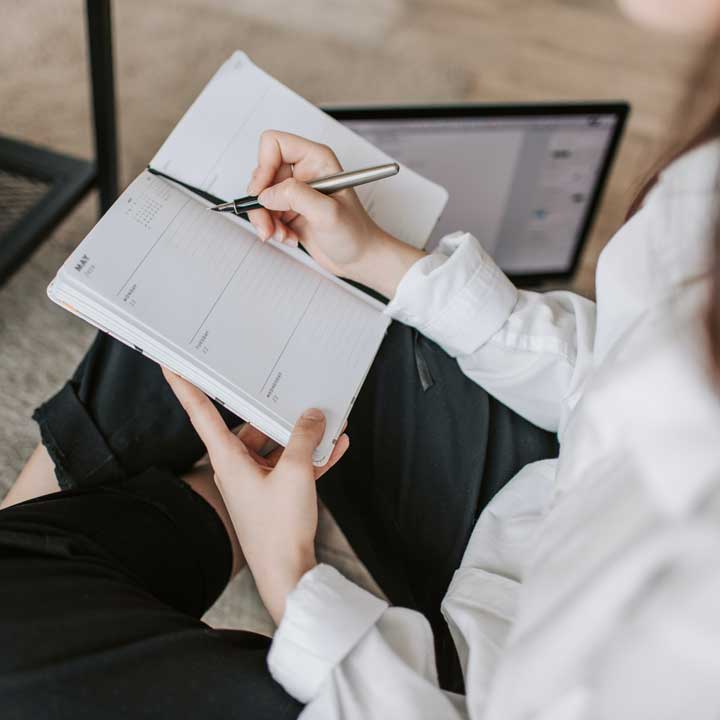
(306, 436)
(291, 194)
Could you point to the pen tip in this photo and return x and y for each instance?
(212, 208)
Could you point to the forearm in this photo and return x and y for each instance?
(384, 264)
(276, 561)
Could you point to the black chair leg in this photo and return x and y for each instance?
(99, 29)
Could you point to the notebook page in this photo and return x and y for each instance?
(273, 331)
(214, 147)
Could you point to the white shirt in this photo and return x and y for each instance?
(591, 585)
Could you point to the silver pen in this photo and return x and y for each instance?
(326, 185)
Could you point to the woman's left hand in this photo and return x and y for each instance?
(272, 501)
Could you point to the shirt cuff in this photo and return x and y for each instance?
(325, 617)
(457, 296)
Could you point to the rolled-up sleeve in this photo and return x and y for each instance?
(457, 296)
(530, 350)
(325, 617)
(345, 653)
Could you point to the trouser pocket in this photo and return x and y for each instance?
(421, 365)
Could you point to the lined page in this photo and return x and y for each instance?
(215, 144)
(273, 330)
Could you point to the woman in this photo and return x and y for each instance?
(587, 586)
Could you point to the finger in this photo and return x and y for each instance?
(269, 226)
(284, 234)
(261, 179)
(278, 150)
(257, 457)
(260, 460)
(300, 226)
(258, 444)
(284, 172)
(292, 238)
(275, 455)
(205, 418)
(262, 219)
(258, 175)
(291, 194)
(305, 437)
(270, 165)
(252, 438)
(341, 446)
(263, 222)
(280, 230)
(288, 216)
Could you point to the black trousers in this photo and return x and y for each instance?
(103, 584)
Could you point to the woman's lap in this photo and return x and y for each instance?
(101, 591)
(428, 450)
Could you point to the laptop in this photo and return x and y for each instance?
(526, 180)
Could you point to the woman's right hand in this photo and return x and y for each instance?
(335, 229)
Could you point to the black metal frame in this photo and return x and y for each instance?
(620, 109)
(99, 34)
(69, 178)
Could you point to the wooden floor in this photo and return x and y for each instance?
(329, 51)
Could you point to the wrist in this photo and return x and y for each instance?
(384, 263)
(281, 579)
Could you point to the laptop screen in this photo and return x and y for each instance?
(525, 186)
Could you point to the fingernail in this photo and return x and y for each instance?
(313, 414)
(278, 237)
(291, 242)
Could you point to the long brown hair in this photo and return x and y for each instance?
(697, 121)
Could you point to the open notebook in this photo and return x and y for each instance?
(259, 327)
